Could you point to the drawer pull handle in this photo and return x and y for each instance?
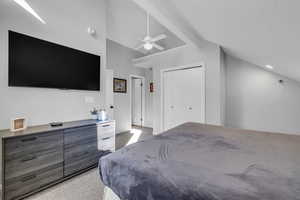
(29, 139)
(79, 155)
(107, 138)
(107, 125)
(28, 178)
(29, 159)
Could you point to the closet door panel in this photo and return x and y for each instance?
(168, 101)
(180, 98)
(195, 91)
(183, 97)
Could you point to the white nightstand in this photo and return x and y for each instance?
(106, 136)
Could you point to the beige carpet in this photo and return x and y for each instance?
(88, 185)
(84, 187)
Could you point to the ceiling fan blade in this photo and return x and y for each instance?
(157, 38)
(139, 47)
(158, 47)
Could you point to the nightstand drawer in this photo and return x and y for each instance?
(107, 144)
(106, 127)
(103, 135)
(106, 136)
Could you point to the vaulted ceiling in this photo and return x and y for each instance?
(126, 24)
(263, 32)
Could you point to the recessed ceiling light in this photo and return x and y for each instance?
(28, 8)
(269, 67)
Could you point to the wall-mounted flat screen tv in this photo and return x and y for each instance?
(38, 63)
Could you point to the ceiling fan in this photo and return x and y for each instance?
(150, 42)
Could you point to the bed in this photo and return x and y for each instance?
(203, 162)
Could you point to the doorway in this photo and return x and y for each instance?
(137, 101)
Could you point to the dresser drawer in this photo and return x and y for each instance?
(29, 144)
(80, 156)
(16, 187)
(20, 165)
(81, 161)
(78, 152)
(79, 135)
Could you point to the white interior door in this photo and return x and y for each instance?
(184, 97)
(137, 95)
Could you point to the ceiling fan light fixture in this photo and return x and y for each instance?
(148, 46)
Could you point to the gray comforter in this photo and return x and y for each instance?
(202, 162)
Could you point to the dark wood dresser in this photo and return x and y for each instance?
(42, 156)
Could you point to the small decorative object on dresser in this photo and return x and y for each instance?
(120, 85)
(18, 124)
(102, 115)
(94, 113)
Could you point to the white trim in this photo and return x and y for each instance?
(166, 14)
(141, 59)
(203, 105)
(143, 96)
(148, 6)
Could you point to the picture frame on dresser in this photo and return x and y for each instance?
(18, 124)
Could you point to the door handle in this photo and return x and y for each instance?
(28, 178)
(107, 138)
(82, 154)
(29, 139)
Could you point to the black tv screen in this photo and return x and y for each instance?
(38, 63)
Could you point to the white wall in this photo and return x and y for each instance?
(210, 56)
(119, 58)
(256, 100)
(67, 22)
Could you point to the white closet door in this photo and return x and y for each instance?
(183, 97)
(168, 101)
(137, 102)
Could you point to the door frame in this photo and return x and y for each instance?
(162, 95)
(131, 76)
(109, 94)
